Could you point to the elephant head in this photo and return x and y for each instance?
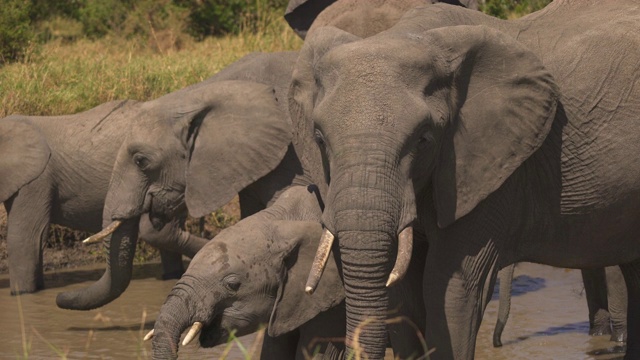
(359, 17)
(402, 117)
(251, 274)
(196, 147)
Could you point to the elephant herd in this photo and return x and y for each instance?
(386, 172)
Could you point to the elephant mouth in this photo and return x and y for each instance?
(214, 334)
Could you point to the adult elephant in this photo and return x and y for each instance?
(56, 170)
(606, 294)
(253, 273)
(504, 139)
(359, 17)
(195, 149)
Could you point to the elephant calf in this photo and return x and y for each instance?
(254, 273)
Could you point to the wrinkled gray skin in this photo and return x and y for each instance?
(199, 147)
(254, 272)
(359, 17)
(56, 170)
(606, 294)
(505, 150)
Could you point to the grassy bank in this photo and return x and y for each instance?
(63, 78)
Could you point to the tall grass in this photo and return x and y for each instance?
(63, 78)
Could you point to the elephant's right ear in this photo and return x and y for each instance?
(300, 14)
(302, 96)
(242, 134)
(25, 154)
(293, 307)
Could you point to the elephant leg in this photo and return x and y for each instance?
(322, 337)
(617, 299)
(458, 285)
(595, 288)
(504, 307)
(406, 307)
(28, 219)
(631, 272)
(172, 267)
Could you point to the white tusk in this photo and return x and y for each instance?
(102, 234)
(319, 262)
(405, 248)
(193, 332)
(149, 335)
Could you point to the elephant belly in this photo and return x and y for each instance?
(599, 238)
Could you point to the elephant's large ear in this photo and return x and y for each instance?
(242, 134)
(25, 154)
(293, 306)
(302, 95)
(503, 103)
(300, 14)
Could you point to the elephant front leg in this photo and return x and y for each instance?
(595, 288)
(631, 272)
(28, 218)
(458, 287)
(617, 301)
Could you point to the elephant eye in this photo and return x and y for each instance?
(232, 283)
(141, 161)
(319, 138)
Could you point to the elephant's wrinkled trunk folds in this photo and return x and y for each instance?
(365, 214)
(173, 319)
(121, 249)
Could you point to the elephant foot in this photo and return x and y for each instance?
(27, 289)
(619, 336)
(601, 324)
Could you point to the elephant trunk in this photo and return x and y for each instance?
(365, 272)
(173, 319)
(366, 231)
(121, 249)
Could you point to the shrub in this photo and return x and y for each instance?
(15, 30)
(509, 9)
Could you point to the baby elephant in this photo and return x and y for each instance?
(254, 273)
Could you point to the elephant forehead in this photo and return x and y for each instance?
(388, 60)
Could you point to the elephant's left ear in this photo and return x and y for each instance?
(242, 134)
(293, 306)
(25, 154)
(503, 104)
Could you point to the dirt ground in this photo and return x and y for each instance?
(65, 250)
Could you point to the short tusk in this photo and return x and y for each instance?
(405, 248)
(319, 261)
(149, 335)
(193, 332)
(102, 234)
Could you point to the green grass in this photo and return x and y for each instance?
(64, 78)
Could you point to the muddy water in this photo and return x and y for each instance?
(548, 321)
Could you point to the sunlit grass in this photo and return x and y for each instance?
(61, 78)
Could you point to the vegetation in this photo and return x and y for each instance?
(511, 9)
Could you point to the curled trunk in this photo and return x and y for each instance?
(121, 249)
